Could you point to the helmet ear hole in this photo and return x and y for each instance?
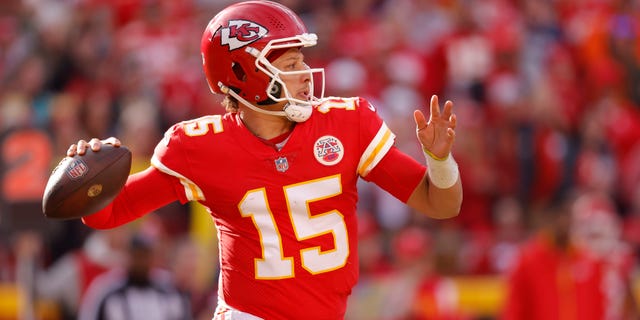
(276, 89)
(239, 72)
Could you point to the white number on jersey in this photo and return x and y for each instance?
(273, 264)
(200, 126)
(337, 103)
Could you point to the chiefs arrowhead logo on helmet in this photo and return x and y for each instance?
(240, 33)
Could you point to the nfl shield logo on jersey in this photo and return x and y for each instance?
(282, 164)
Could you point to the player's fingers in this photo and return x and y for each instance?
(451, 133)
(447, 110)
(434, 107)
(453, 121)
(112, 141)
(72, 150)
(421, 121)
(95, 144)
(81, 147)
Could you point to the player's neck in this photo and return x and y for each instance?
(266, 126)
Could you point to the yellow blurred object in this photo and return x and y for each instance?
(202, 226)
(480, 295)
(636, 289)
(204, 232)
(12, 300)
(485, 295)
(9, 301)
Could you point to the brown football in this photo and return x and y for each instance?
(82, 185)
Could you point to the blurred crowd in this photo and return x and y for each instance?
(547, 94)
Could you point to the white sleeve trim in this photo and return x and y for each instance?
(378, 148)
(191, 190)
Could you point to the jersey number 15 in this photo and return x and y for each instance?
(273, 264)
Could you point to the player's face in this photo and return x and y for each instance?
(298, 84)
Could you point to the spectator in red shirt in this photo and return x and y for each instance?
(562, 272)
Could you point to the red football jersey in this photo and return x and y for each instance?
(286, 218)
(287, 229)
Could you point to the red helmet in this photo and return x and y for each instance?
(236, 45)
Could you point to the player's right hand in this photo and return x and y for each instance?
(80, 148)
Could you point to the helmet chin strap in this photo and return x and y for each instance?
(297, 113)
(293, 112)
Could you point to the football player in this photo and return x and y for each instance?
(278, 171)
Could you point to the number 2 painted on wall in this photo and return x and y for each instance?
(27, 156)
(273, 264)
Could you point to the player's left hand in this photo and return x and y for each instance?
(437, 134)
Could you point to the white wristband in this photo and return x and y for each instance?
(442, 173)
